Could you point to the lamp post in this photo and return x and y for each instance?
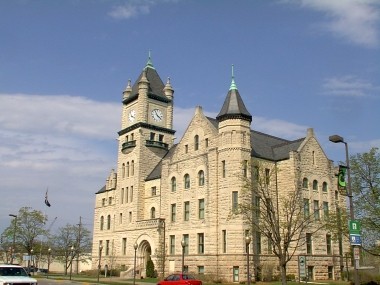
(134, 266)
(14, 236)
(72, 257)
(48, 265)
(247, 242)
(339, 139)
(31, 260)
(183, 244)
(100, 259)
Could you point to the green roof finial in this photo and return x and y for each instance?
(233, 85)
(149, 63)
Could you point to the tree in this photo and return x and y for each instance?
(280, 217)
(30, 225)
(70, 242)
(365, 175)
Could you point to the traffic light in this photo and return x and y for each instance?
(342, 185)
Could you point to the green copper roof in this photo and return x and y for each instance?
(233, 84)
(149, 64)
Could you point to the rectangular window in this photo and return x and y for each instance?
(223, 168)
(258, 243)
(309, 244)
(186, 214)
(306, 207)
(316, 210)
(130, 217)
(160, 138)
(267, 176)
(206, 142)
(224, 240)
(173, 212)
(310, 272)
(186, 240)
(201, 243)
(257, 207)
(120, 218)
(328, 244)
(124, 246)
(131, 194)
(107, 247)
(201, 270)
(235, 201)
(109, 200)
(245, 168)
(152, 135)
(325, 210)
(154, 190)
(126, 195)
(172, 244)
(122, 196)
(270, 244)
(186, 148)
(330, 271)
(103, 202)
(201, 208)
(235, 274)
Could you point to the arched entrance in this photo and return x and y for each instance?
(144, 253)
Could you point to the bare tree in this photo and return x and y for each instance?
(282, 217)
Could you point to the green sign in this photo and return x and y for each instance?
(342, 185)
(354, 227)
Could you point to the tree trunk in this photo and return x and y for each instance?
(283, 274)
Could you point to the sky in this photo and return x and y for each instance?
(298, 64)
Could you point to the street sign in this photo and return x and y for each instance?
(356, 253)
(302, 266)
(355, 239)
(355, 228)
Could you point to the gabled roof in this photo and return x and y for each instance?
(272, 148)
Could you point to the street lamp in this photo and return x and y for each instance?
(247, 242)
(14, 236)
(183, 244)
(31, 260)
(339, 139)
(134, 266)
(100, 259)
(72, 257)
(48, 265)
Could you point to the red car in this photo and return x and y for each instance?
(180, 279)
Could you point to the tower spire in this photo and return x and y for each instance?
(149, 64)
(233, 84)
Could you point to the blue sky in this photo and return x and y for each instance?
(298, 64)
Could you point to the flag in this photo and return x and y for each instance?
(342, 185)
(46, 199)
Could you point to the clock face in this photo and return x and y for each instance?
(157, 115)
(132, 115)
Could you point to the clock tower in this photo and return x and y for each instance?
(146, 133)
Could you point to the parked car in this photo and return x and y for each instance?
(180, 279)
(15, 274)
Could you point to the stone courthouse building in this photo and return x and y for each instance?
(172, 202)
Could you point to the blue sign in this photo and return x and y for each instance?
(356, 239)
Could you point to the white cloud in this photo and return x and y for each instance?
(348, 86)
(356, 21)
(130, 10)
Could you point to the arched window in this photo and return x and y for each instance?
(133, 168)
(305, 183)
(186, 180)
(101, 223)
(196, 142)
(324, 187)
(127, 169)
(315, 185)
(153, 213)
(108, 222)
(123, 170)
(174, 184)
(201, 178)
